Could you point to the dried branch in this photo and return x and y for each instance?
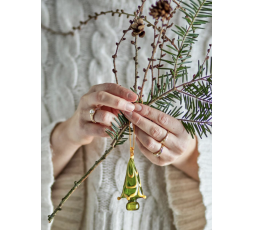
(136, 64)
(114, 70)
(81, 23)
(150, 60)
(152, 64)
(77, 184)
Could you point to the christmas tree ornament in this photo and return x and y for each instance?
(132, 189)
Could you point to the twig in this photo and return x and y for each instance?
(114, 70)
(81, 23)
(152, 64)
(150, 60)
(206, 58)
(165, 38)
(77, 184)
(136, 64)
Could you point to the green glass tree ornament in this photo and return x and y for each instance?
(132, 189)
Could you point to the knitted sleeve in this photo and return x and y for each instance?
(205, 175)
(190, 200)
(47, 177)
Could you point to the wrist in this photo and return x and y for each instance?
(60, 134)
(187, 162)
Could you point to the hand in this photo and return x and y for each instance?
(79, 130)
(151, 126)
(110, 98)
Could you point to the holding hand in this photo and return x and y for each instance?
(153, 127)
(79, 130)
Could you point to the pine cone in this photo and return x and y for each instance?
(162, 9)
(138, 28)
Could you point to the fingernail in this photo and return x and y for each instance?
(138, 107)
(128, 114)
(130, 107)
(131, 96)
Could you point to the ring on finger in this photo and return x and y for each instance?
(92, 114)
(159, 152)
(165, 138)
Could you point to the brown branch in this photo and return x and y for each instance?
(152, 64)
(150, 60)
(81, 23)
(136, 64)
(114, 70)
(77, 184)
(206, 58)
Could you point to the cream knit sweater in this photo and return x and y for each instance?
(70, 66)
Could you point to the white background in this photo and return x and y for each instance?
(20, 115)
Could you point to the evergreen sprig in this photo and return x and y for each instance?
(117, 132)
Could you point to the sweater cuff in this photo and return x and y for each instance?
(47, 176)
(205, 175)
(185, 200)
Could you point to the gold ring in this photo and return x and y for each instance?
(159, 151)
(92, 114)
(165, 138)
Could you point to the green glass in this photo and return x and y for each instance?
(132, 205)
(132, 189)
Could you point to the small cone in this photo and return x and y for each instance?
(132, 189)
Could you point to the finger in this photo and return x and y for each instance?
(149, 127)
(164, 120)
(162, 160)
(153, 146)
(103, 98)
(116, 90)
(112, 110)
(101, 116)
(96, 130)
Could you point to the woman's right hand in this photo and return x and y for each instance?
(79, 130)
(110, 98)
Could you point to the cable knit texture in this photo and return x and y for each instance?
(70, 65)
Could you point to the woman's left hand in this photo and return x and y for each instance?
(151, 126)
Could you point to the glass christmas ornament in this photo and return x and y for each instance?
(132, 189)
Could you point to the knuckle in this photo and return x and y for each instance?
(118, 103)
(150, 144)
(155, 132)
(161, 162)
(163, 119)
(93, 88)
(81, 123)
(108, 86)
(100, 96)
(102, 132)
(147, 111)
(170, 159)
(182, 147)
(138, 120)
(83, 99)
(104, 117)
